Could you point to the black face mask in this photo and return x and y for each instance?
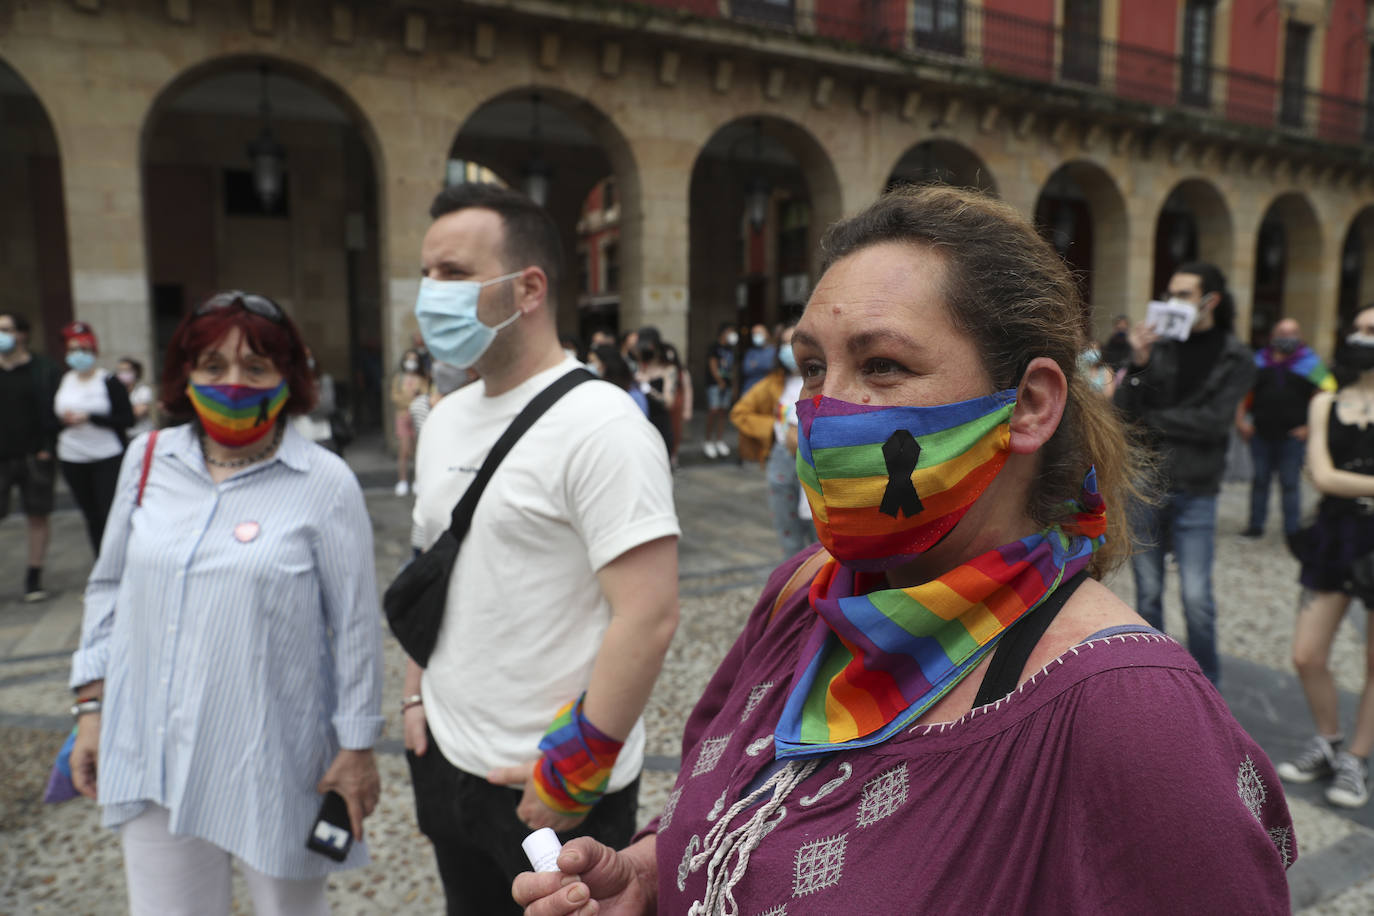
(1358, 356)
(1285, 345)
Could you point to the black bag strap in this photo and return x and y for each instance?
(462, 513)
(1015, 647)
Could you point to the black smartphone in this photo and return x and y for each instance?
(332, 834)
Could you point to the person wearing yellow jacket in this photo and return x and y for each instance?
(766, 417)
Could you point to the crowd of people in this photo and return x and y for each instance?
(952, 467)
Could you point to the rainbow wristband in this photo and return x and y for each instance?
(576, 766)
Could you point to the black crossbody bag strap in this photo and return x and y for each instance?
(462, 513)
(1015, 647)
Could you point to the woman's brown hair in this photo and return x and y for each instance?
(1013, 295)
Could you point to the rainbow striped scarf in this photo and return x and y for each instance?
(877, 658)
(1302, 362)
(237, 415)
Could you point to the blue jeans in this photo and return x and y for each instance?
(784, 498)
(1184, 523)
(1285, 456)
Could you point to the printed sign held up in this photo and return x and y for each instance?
(1171, 319)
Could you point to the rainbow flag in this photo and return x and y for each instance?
(1302, 362)
(232, 414)
(577, 760)
(845, 474)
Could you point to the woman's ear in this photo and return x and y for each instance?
(1040, 401)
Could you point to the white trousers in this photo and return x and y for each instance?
(171, 875)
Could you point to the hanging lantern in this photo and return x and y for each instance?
(267, 155)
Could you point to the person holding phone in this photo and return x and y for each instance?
(230, 664)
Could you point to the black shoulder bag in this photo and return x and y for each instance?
(416, 600)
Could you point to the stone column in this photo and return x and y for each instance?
(653, 238)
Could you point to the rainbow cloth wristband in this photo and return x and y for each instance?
(576, 766)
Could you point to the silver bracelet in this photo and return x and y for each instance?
(413, 700)
(84, 707)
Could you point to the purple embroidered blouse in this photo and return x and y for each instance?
(1114, 781)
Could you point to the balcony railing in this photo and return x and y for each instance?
(1017, 46)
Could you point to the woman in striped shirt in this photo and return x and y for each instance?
(230, 662)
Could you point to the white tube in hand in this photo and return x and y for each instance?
(542, 849)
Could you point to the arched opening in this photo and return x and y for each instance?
(1081, 212)
(1287, 267)
(763, 190)
(570, 158)
(942, 162)
(1357, 270)
(1194, 224)
(259, 175)
(33, 226)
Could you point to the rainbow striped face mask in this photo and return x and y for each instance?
(885, 484)
(237, 415)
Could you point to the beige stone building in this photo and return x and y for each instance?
(734, 132)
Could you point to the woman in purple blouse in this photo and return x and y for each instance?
(943, 710)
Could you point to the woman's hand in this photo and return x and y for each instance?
(353, 774)
(85, 751)
(74, 417)
(592, 878)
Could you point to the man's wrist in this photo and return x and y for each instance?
(411, 700)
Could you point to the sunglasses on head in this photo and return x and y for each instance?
(258, 305)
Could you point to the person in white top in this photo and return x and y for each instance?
(130, 372)
(563, 599)
(94, 409)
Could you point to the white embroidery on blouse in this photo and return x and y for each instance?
(755, 698)
(709, 755)
(1035, 679)
(685, 866)
(1282, 838)
(779, 910)
(819, 865)
(669, 807)
(883, 794)
(719, 806)
(846, 770)
(1250, 787)
(759, 745)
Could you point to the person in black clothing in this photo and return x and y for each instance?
(1182, 396)
(1116, 352)
(1340, 457)
(1287, 374)
(28, 433)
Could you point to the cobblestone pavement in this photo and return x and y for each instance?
(59, 860)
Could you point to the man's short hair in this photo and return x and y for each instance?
(21, 322)
(1213, 281)
(531, 236)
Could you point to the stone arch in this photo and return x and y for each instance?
(1081, 211)
(1288, 267)
(33, 228)
(1194, 223)
(945, 161)
(321, 254)
(741, 269)
(581, 145)
(1356, 268)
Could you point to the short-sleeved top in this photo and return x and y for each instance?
(526, 614)
(85, 442)
(237, 628)
(1114, 781)
(725, 363)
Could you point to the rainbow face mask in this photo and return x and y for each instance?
(237, 415)
(885, 484)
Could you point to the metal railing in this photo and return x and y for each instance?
(1029, 49)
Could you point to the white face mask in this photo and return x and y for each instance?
(759, 339)
(447, 313)
(732, 339)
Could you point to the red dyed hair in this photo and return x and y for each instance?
(278, 341)
(82, 333)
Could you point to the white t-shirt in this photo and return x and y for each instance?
(785, 414)
(85, 442)
(526, 614)
(141, 396)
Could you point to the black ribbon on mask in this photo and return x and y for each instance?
(262, 410)
(901, 451)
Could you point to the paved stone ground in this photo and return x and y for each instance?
(58, 859)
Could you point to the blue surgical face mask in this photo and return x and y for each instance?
(7, 341)
(447, 313)
(81, 360)
(787, 357)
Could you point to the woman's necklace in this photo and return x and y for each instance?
(247, 460)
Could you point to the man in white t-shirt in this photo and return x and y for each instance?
(563, 599)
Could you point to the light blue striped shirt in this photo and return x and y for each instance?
(239, 635)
